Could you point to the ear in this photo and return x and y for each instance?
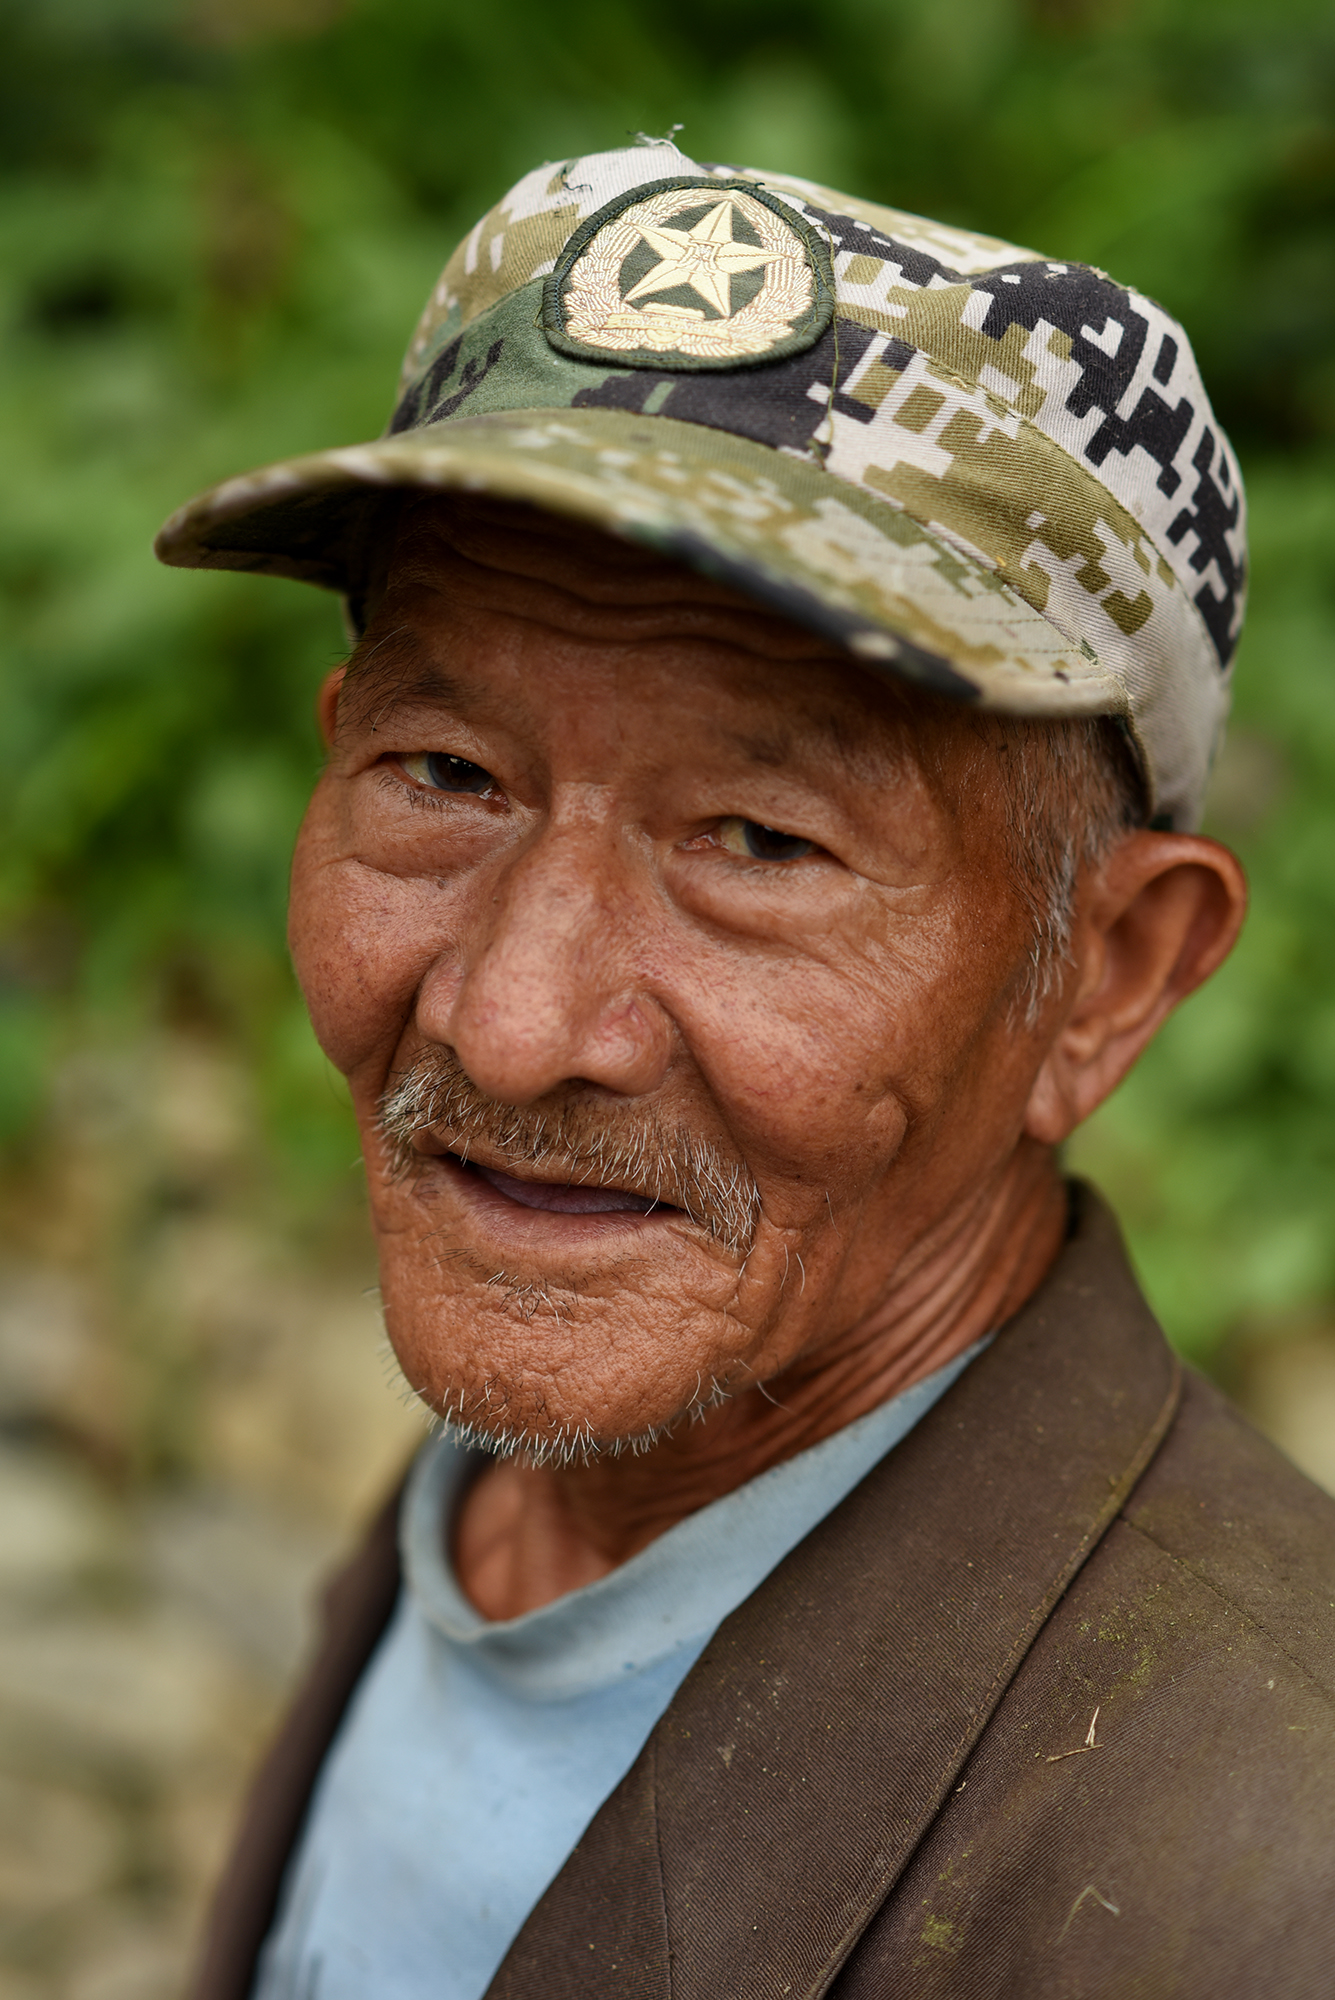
(1152, 922)
(326, 705)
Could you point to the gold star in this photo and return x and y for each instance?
(705, 258)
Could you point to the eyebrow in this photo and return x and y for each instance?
(863, 752)
(394, 672)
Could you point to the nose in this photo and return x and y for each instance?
(543, 990)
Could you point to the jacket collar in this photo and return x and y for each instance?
(782, 1793)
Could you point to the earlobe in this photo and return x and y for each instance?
(1154, 921)
(326, 705)
(1052, 1112)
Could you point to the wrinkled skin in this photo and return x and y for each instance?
(591, 928)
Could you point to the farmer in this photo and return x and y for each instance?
(791, 638)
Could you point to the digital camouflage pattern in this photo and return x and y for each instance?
(991, 471)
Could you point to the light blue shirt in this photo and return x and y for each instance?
(473, 1755)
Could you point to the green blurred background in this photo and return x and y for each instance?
(217, 223)
(218, 220)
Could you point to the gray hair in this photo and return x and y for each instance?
(1072, 791)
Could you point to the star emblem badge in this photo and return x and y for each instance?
(684, 311)
(705, 257)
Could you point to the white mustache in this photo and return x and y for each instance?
(632, 1150)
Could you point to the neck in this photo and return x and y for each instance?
(526, 1535)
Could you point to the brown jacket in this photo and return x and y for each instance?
(884, 1777)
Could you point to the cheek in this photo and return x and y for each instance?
(362, 941)
(802, 1056)
(827, 1065)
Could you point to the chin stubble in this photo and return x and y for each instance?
(581, 1143)
(480, 1420)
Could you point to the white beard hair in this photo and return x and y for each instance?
(469, 1420)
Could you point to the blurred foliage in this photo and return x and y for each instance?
(218, 219)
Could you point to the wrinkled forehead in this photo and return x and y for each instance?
(451, 559)
(540, 563)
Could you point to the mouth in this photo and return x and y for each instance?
(557, 1197)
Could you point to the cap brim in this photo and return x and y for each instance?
(899, 595)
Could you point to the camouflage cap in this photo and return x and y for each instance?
(989, 471)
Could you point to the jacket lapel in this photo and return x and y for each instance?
(782, 1793)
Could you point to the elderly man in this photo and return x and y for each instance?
(791, 639)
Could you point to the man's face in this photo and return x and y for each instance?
(697, 948)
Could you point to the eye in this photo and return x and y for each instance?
(444, 773)
(763, 843)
